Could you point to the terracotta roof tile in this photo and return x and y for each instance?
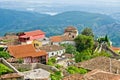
(61, 38)
(102, 63)
(11, 75)
(70, 28)
(73, 77)
(21, 51)
(33, 33)
(101, 75)
(115, 48)
(56, 39)
(50, 48)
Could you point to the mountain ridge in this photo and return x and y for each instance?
(18, 21)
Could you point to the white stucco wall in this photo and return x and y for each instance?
(53, 53)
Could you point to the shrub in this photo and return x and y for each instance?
(4, 69)
(73, 70)
(4, 54)
(56, 76)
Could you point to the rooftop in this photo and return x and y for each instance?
(102, 63)
(37, 74)
(28, 50)
(61, 38)
(56, 39)
(32, 33)
(101, 75)
(49, 48)
(73, 77)
(11, 75)
(70, 28)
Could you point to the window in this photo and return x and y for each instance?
(72, 36)
(52, 53)
(69, 33)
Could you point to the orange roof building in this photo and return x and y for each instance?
(116, 49)
(27, 52)
(32, 35)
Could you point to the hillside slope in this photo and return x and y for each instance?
(18, 21)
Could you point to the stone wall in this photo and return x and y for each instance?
(35, 66)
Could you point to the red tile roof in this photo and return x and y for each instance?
(56, 39)
(61, 38)
(21, 51)
(73, 77)
(33, 33)
(115, 48)
(101, 75)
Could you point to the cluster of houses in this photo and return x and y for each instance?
(35, 47)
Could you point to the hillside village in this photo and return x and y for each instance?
(70, 56)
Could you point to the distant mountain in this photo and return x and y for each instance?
(18, 21)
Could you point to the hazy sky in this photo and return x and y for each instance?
(69, 2)
(62, 5)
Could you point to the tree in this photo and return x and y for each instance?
(84, 42)
(104, 39)
(88, 32)
(69, 48)
(82, 56)
(4, 54)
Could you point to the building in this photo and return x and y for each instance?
(37, 74)
(68, 37)
(28, 37)
(53, 50)
(102, 63)
(71, 32)
(28, 53)
(93, 75)
(12, 76)
(115, 49)
(101, 75)
(74, 77)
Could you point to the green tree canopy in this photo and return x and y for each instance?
(84, 42)
(88, 32)
(82, 56)
(69, 48)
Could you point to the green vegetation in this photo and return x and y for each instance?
(20, 60)
(88, 32)
(56, 76)
(1, 48)
(58, 66)
(4, 54)
(84, 42)
(4, 69)
(73, 70)
(69, 48)
(23, 69)
(82, 56)
(51, 61)
(104, 39)
(103, 53)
